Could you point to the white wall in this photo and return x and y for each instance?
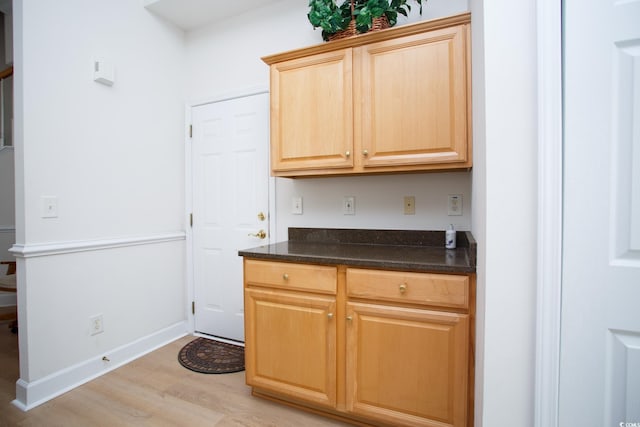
(114, 157)
(504, 209)
(225, 57)
(379, 202)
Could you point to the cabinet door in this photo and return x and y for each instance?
(414, 108)
(290, 345)
(407, 366)
(312, 112)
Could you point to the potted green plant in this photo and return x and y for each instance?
(356, 16)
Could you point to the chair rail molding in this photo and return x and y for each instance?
(31, 250)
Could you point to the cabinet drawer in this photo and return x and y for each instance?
(417, 288)
(286, 275)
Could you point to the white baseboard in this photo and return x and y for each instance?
(34, 393)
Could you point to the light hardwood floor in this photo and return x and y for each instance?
(154, 390)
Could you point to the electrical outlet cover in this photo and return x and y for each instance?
(454, 207)
(97, 324)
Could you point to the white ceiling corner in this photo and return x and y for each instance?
(191, 14)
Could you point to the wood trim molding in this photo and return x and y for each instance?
(57, 248)
(550, 198)
(372, 37)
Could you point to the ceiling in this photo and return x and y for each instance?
(191, 14)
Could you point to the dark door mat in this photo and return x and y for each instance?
(212, 357)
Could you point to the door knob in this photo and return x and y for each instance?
(260, 234)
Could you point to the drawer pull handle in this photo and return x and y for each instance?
(330, 316)
(403, 288)
(285, 276)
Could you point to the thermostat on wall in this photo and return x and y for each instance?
(103, 72)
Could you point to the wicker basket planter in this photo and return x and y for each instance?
(378, 24)
(340, 19)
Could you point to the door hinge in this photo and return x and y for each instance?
(193, 307)
(191, 220)
(190, 131)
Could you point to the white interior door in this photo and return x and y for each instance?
(230, 201)
(600, 333)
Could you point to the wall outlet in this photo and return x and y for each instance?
(349, 205)
(409, 205)
(49, 207)
(454, 207)
(96, 325)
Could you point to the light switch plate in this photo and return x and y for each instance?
(409, 205)
(296, 205)
(349, 205)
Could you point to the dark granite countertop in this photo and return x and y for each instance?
(389, 249)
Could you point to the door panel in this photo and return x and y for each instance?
(312, 122)
(405, 123)
(291, 344)
(407, 366)
(230, 188)
(600, 335)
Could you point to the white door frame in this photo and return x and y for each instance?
(550, 197)
(190, 291)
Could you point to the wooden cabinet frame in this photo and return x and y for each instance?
(397, 100)
(435, 309)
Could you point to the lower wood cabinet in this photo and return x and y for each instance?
(407, 366)
(376, 347)
(292, 344)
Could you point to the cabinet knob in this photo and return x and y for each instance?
(330, 316)
(285, 276)
(365, 153)
(349, 318)
(403, 288)
(347, 154)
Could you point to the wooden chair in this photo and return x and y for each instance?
(8, 284)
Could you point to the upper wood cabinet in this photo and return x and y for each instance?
(312, 112)
(396, 100)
